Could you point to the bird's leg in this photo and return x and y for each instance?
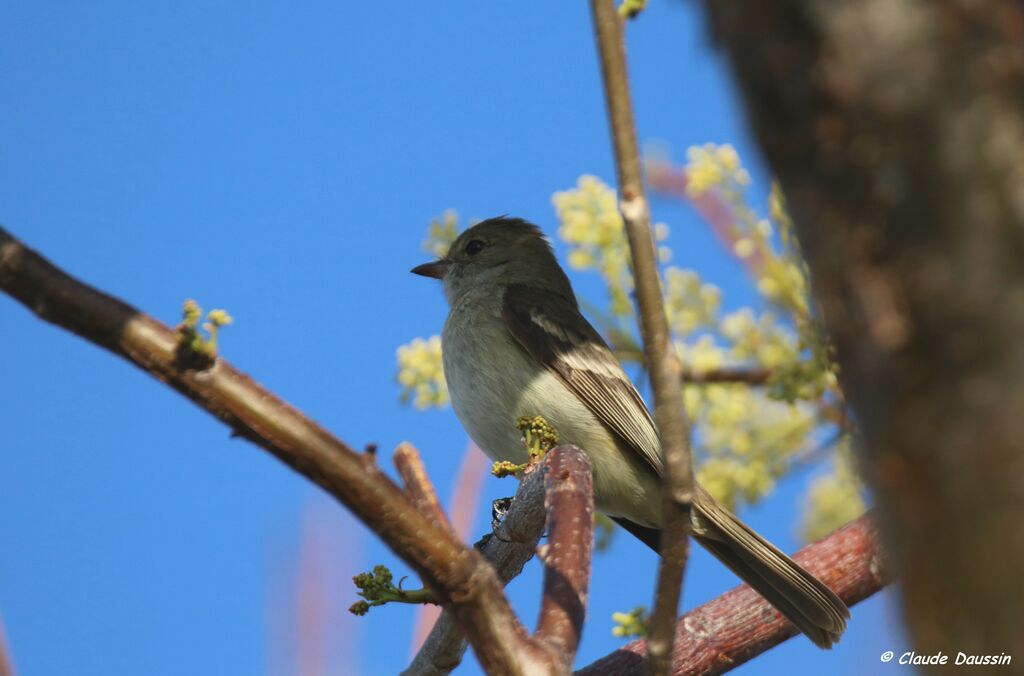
(539, 437)
(499, 508)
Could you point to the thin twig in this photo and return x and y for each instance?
(660, 357)
(752, 375)
(463, 507)
(739, 625)
(410, 467)
(459, 575)
(724, 375)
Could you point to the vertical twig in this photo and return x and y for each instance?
(659, 354)
(410, 467)
(463, 507)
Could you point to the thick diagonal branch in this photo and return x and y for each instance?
(659, 353)
(464, 582)
(739, 625)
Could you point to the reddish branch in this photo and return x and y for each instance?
(464, 582)
(569, 504)
(739, 625)
(659, 354)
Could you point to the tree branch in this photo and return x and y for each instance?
(895, 130)
(464, 582)
(569, 504)
(743, 375)
(739, 625)
(410, 467)
(751, 375)
(463, 506)
(659, 354)
(512, 545)
(557, 491)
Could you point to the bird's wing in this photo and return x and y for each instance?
(551, 329)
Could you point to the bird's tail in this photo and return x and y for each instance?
(801, 597)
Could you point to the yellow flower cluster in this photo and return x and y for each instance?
(591, 225)
(713, 166)
(834, 499)
(441, 233)
(781, 276)
(745, 441)
(701, 355)
(759, 340)
(801, 364)
(631, 624)
(690, 303)
(421, 374)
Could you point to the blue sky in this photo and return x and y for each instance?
(283, 162)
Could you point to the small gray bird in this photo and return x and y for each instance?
(515, 344)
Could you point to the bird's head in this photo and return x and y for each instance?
(494, 254)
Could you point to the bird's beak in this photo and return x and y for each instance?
(435, 269)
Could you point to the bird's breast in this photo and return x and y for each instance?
(487, 375)
(493, 381)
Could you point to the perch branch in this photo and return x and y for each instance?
(464, 582)
(559, 491)
(739, 625)
(513, 544)
(659, 354)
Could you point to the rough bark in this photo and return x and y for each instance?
(896, 129)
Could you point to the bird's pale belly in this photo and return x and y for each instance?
(488, 406)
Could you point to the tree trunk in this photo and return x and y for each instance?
(896, 129)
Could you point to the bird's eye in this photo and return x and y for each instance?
(474, 247)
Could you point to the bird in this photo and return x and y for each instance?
(515, 344)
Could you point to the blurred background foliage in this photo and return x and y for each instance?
(760, 385)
